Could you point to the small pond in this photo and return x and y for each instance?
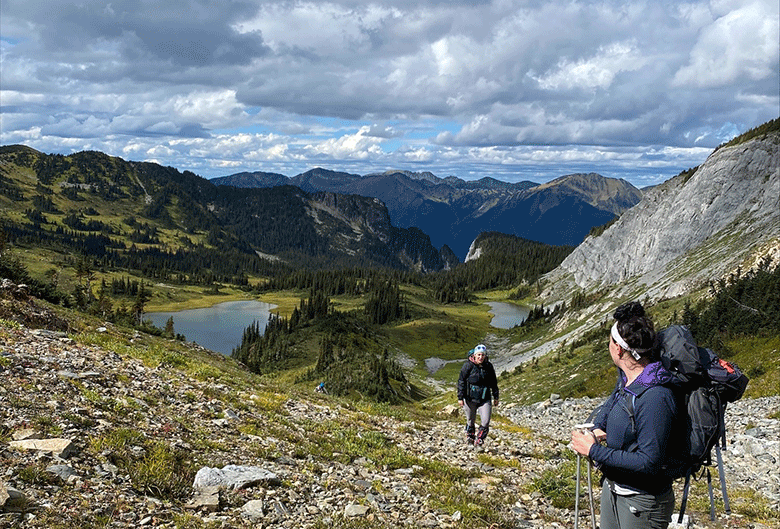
(219, 327)
(506, 315)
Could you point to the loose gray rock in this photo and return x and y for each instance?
(253, 509)
(206, 498)
(57, 447)
(61, 471)
(353, 511)
(233, 477)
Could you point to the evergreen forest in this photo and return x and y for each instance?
(119, 234)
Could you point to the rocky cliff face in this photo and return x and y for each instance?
(689, 230)
(360, 227)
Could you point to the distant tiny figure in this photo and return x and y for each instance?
(477, 387)
(321, 388)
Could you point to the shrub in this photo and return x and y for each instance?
(163, 471)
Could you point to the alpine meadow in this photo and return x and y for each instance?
(381, 285)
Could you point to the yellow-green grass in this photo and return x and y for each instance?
(759, 358)
(447, 339)
(167, 297)
(587, 371)
(45, 264)
(287, 300)
(497, 295)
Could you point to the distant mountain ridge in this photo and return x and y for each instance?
(135, 211)
(454, 212)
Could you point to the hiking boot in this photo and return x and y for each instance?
(481, 436)
(470, 437)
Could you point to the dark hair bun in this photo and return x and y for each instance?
(628, 311)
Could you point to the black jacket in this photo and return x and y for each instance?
(477, 378)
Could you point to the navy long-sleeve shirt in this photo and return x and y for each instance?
(641, 454)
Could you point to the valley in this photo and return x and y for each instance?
(362, 305)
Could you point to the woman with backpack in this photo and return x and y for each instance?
(635, 434)
(477, 387)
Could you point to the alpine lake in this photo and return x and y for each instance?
(220, 327)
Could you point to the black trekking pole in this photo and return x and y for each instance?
(590, 496)
(583, 428)
(577, 494)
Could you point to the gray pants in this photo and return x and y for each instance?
(638, 511)
(471, 409)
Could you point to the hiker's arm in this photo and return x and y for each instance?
(599, 415)
(494, 389)
(462, 383)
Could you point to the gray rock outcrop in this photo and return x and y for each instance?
(689, 230)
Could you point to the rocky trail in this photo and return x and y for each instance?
(91, 436)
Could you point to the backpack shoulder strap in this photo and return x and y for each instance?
(630, 408)
(628, 402)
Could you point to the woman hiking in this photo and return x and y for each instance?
(477, 387)
(639, 428)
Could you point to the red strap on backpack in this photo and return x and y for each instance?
(727, 366)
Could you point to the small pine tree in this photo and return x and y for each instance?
(168, 332)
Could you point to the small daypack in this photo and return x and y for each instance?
(709, 384)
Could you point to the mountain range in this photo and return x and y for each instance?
(453, 212)
(128, 212)
(712, 220)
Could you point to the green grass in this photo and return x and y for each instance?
(446, 333)
(154, 466)
(173, 298)
(558, 484)
(759, 358)
(36, 474)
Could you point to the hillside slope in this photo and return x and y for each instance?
(692, 229)
(127, 212)
(101, 427)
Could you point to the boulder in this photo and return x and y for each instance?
(233, 477)
(57, 447)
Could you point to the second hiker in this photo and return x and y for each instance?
(639, 427)
(477, 393)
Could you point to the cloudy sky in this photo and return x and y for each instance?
(513, 89)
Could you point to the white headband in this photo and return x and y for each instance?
(622, 343)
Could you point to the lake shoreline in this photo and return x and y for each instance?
(219, 327)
